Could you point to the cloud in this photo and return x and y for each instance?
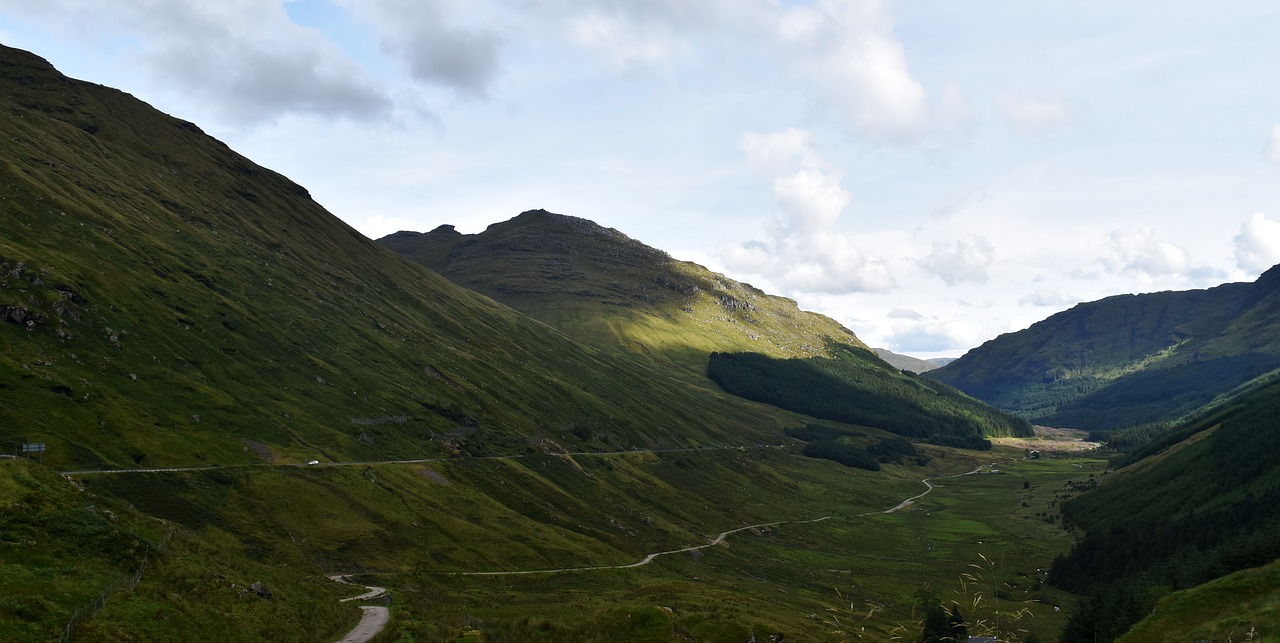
(1258, 244)
(844, 53)
(436, 52)
(244, 59)
(848, 53)
(802, 252)
(905, 313)
(1032, 115)
(1271, 151)
(635, 36)
(1048, 297)
(1137, 250)
(933, 335)
(776, 151)
(964, 260)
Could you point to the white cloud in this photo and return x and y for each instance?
(774, 152)
(1272, 149)
(848, 53)
(932, 335)
(802, 251)
(244, 59)
(436, 51)
(964, 260)
(1258, 244)
(1048, 297)
(1033, 115)
(905, 313)
(1137, 250)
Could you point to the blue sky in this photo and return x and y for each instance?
(931, 174)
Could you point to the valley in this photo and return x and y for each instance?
(777, 575)
(548, 431)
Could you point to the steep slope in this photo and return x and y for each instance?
(166, 301)
(1187, 513)
(614, 292)
(1129, 359)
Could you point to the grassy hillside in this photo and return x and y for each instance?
(606, 289)
(166, 301)
(602, 287)
(1129, 359)
(1189, 512)
(1243, 606)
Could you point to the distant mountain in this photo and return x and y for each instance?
(603, 288)
(1129, 359)
(909, 363)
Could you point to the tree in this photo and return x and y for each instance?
(959, 631)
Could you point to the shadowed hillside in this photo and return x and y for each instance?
(1129, 359)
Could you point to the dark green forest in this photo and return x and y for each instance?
(1156, 395)
(853, 387)
(1207, 509)
(829, 443)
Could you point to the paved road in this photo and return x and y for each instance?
(719, 539)
(374, 619)
(649, 557)
(363, 463)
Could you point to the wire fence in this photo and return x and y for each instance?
(89, 609)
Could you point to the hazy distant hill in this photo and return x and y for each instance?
(1129, 359)
(909, 363)
(613, 292)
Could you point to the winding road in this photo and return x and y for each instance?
(373, 618)
(719, 539)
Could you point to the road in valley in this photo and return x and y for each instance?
(373, 618)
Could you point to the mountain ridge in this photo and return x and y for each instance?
(1100, 364)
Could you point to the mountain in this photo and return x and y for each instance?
(605, 289)
(909, 363)
(168, 302)
(1129, 359)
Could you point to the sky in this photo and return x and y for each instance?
(929, 173)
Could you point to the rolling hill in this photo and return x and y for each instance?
(1129, 359)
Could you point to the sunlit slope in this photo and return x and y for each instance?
(1129, 359)
(607, 289)
(167, 301)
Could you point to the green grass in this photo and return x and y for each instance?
(1243, 606)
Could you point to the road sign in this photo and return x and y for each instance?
(33, 447)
